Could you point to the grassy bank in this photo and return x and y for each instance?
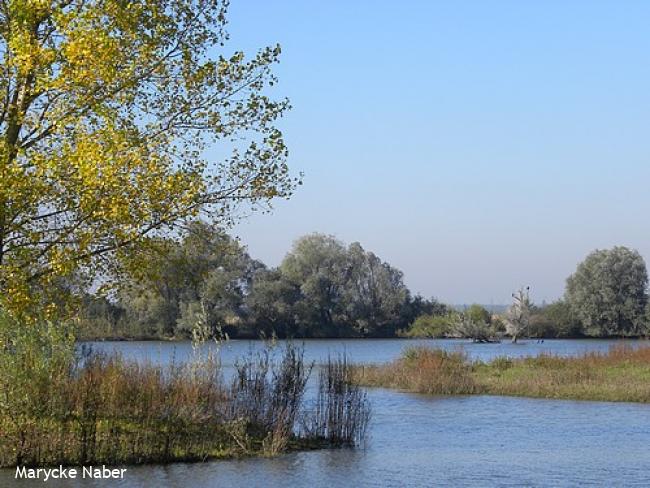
(622, 374)
(105, 410)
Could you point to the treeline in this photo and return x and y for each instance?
(322, 288)
(607, 296)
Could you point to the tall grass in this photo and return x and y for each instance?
(341, 411)
(105, 409)
(620, 374)
(423, 370)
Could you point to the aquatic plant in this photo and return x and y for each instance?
(105, 409)
(620, 374)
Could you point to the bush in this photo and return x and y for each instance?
(478, 314)
(430, 326)
(555, 320)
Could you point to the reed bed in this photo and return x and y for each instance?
(106, 410)
(620, 374)
(341, 411)
(422, 370)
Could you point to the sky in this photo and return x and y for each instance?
(478, 146)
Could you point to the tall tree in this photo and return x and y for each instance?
(271, 305)
(318, 265)
(608, 291)
(106, 108)
(344, 291)
(374, 294)
(206, 273)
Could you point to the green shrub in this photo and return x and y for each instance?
(430, 326)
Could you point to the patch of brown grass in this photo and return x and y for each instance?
(423, 370)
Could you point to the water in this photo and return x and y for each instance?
(359, 350)
(418, 440)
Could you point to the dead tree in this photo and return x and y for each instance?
(518, 315)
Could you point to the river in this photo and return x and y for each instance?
(417, 440)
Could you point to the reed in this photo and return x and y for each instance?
(620, 374)
(106, 410)
(423, 370)
(341, 411)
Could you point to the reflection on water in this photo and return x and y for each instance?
(417, 440)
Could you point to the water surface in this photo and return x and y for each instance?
(359, 350)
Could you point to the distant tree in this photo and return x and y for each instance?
(518, 314)
(317, 264)
(374, 293)
(555, 320)
(472, 327)
(343, 291)
(431, 326)
(418, 306)
(321, 289)
(207, 272)
(478, 314)
(98, 317)
(607, 292)
(270, 304)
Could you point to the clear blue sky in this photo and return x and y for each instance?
(475, 145)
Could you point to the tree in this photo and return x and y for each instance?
(607, 292)
(479, 314)
(518, 314)
(472, 326)
(317, 264)
(343, 291)
(271, 303)
(205, 273)
(374, 293)
(431, 326)
(475, 323)
(107, 109)
(417, 305)
(555, 320)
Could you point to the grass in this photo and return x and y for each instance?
(621, 375)
(106, 410)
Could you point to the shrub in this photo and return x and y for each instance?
(430, 326)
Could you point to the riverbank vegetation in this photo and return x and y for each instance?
(607, 296)
(622, 374)
(59, 407)
(324, 288)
